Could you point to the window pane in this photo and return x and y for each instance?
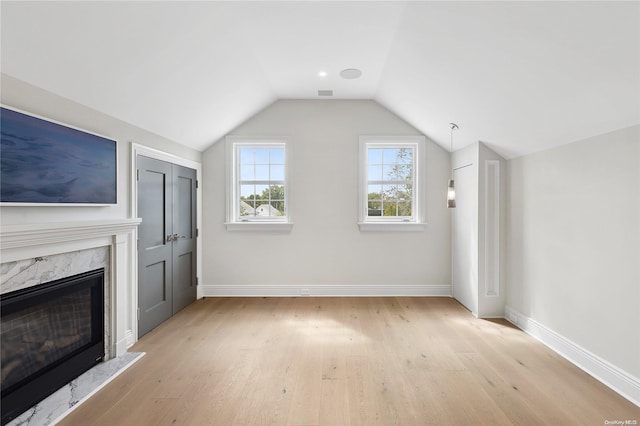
(247, 208)
(374, 156)
(405, 156)
(389, 209)
(389, 192)
(277, 155)
(404, 209)
(277, 172)
(272, 209)
(388, 173)
(247, 191)
(262, 192)
(263, 209)
(276, 192)
(375, 173)
(403, 172)
(246, 172)
(404, 193)
(277, 208)
(374, 191)
(262, 155)
(262, 173)
(246, 155)
(389, 155)
(374, 208)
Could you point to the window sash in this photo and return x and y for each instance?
(268, 183)
(368, 146)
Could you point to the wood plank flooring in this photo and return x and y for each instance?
(346, 361)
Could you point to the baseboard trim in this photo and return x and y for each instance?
(211, 290)
(618, 380)
(125, 343)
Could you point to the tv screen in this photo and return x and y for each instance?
(42, 162)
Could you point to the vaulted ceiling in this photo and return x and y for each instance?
(519, 76)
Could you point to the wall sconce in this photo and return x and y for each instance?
(451, 195)
(451, 189)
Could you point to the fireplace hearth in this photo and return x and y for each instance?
(50, 334)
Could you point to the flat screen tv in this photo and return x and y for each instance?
(47, 163)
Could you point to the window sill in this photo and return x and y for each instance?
(391, 227)
(260, 226)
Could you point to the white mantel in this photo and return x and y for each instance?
(21, 242)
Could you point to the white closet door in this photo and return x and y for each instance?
(465, 239)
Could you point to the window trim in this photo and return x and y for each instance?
(273, 223)
(392, 224)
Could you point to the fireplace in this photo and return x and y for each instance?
(50, 334)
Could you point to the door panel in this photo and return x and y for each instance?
(151, 206)
(155, 299)
(184, 248)
(184, 205)
(182, 268)
(155, 290)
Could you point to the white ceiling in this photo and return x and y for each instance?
(519, 76)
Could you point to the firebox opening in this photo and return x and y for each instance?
(49, 335)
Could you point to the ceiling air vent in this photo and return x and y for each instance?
(325, 92)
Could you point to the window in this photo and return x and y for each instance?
(258, 183)
(391, 170)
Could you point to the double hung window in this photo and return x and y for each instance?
(391, 182)
(258, 190)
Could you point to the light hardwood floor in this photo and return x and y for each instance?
(346, 361)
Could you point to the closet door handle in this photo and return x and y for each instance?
(169, 238)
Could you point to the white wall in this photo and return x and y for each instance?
(18, 94)
(325, 247)
(574, 244)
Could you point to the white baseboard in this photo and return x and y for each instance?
(324, 290)
(619, 380)
(125, 343)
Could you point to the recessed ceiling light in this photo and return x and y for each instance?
(322, 74)
(350, 73)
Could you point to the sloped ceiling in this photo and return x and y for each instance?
(519, 76)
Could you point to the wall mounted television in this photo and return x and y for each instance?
(43, 162)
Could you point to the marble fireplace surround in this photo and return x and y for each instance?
(33, 254)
